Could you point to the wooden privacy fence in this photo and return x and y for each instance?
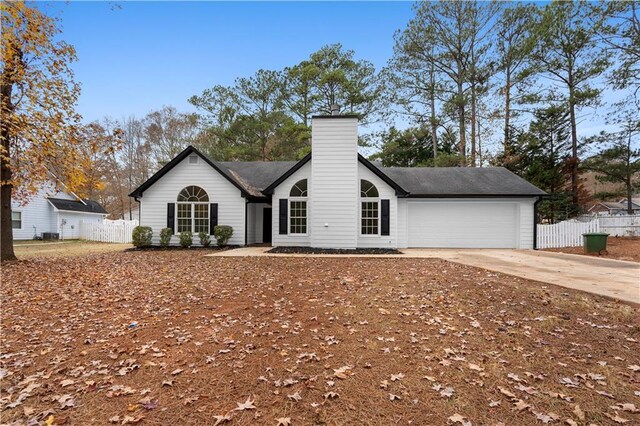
(109, 231)
(569, 233)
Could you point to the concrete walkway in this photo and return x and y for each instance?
(612, 278)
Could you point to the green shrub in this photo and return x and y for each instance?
(222, 233)
(141, 236)
(186, 239)
(205, 239)
(165, 236)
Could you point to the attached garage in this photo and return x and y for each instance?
(464, 224)
(458, 207)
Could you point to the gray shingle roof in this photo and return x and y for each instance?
(253, 177)
(464, 181)
(76, 206)
(257, 175)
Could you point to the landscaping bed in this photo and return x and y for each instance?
(621, 248)
(311, 250)
(173, 337)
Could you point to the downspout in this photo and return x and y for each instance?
(139, 209)
(246, 220)
(535, 223)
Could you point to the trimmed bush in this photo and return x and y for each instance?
(141, 236)
(165, 236)
(205, 239)
(186, 239)
(222, 233)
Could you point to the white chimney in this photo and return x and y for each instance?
(334, 181)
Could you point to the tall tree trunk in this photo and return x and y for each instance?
(507, 112)
(473, 124)
(462, 124)
(629, 181)
(432, 99)
(6, 188)
(574, 145)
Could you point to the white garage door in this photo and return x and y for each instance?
(463, 224)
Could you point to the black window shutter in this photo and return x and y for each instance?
(171, 216)
(384, 228)
(213, 217)
(284, 205)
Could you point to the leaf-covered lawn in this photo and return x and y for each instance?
(164, 338)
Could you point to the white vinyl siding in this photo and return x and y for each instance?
(231, 204)
(282, 191)
(334, 186)
(38, 215)
(470, 223)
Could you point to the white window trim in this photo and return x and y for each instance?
(370, 200)
(21, 220)
(293, 200)
(193, 214)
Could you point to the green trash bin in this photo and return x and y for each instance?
(595, 242)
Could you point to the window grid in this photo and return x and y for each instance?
(299, 189)
(298, 217)
(194, 194)
(184, 217)
(201, 218)
(370, 218)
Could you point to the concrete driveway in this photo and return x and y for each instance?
(613, 278)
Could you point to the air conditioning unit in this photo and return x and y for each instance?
(50, 236)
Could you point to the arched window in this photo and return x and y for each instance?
(193, 210)
(367, 189)
(369, 208)
(298, 208)
(193, 193)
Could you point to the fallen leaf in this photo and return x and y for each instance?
(247, 405)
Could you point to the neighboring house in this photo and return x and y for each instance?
(335, 198)
(53, 211)
(616, 208)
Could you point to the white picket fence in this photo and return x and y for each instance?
(569, 233)
(109, 231)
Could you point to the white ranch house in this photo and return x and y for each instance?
(335, 198)
(53, 211)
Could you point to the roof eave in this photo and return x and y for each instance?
(269, 189)
(137, 193)
(477, 195)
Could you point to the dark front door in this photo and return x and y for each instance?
(266, 225)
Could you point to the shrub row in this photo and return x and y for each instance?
(142, 236)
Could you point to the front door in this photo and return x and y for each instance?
(266, 225)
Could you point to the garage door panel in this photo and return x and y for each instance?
(463, 224)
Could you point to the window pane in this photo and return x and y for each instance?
(298, 217)
(367, 189)
(369, 219)
(201, 214)
(193, 193)
(299, 189)
(16, 220)
(184, 217)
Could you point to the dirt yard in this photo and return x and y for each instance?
(621, 248)
(28, 249)
(164, 338)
